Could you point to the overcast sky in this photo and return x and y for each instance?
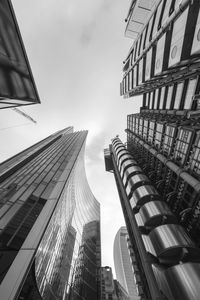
(76, 49)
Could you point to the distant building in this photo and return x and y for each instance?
(110, 288)
(126, 273)
(121, 293)
(50, 223)
(17, 86)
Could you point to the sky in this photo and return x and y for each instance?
(76, 49)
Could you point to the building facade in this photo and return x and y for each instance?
(124, 270)
(17, 85)
(50, 223)
(111, 289)
(157, 170)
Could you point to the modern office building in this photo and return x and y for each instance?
(126, 274)
(111, 289)
(17, 86)
(50, 223)
(157, 170)
(121, 293)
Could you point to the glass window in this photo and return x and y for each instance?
(166, 11)
(151, 131)
(168, 139)
(133, 55)
(150, 100)
(195, 160)
(182, 145)
(149, 31)
(130, 80)
(177, 38)
(178, 96)
(136, 45)
(141, 127)
(160, 54)
(169, 96)
(140, 75)
(148, 64)
(145, 129)
(190, 93)
(158, 135)
(162, 95)
(157, 19)
(144, 38)
(156, 99)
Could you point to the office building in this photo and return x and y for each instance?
(123, 264)
(111, 289)
(50, 223)
(121, 293)
(157, 170)
(17, 86)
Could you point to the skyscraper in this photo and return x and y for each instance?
(50, 223)
(17, 85)
(111, 289)
(123, 265)
(157, 171)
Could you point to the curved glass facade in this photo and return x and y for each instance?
(69, 253)
(123, 266)
(50, 223)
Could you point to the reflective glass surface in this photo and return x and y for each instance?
(49, 179)
(68, 257)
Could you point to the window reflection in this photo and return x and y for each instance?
(69, 253)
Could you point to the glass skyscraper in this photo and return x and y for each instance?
(123, 266)
(50, 223)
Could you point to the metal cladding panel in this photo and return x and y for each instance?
(169, 96)
(148, 64)
(135, 181)
(177, 39)
(119, 149)
(139, 220)
(148, 244)
(157, 19)
(140, 71)
(190, 93)
(162, 96)
(144, 194)
(183, 280)
(166, 11)
(156, 99)
(178, 96)
(169, 240)
(127, 163)
(196, 40)
(160, 55)
(131, 170)
(17, 85)
(122, 159)
(148, 31)
(155, 213)
(135, 76)
(130, 78)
